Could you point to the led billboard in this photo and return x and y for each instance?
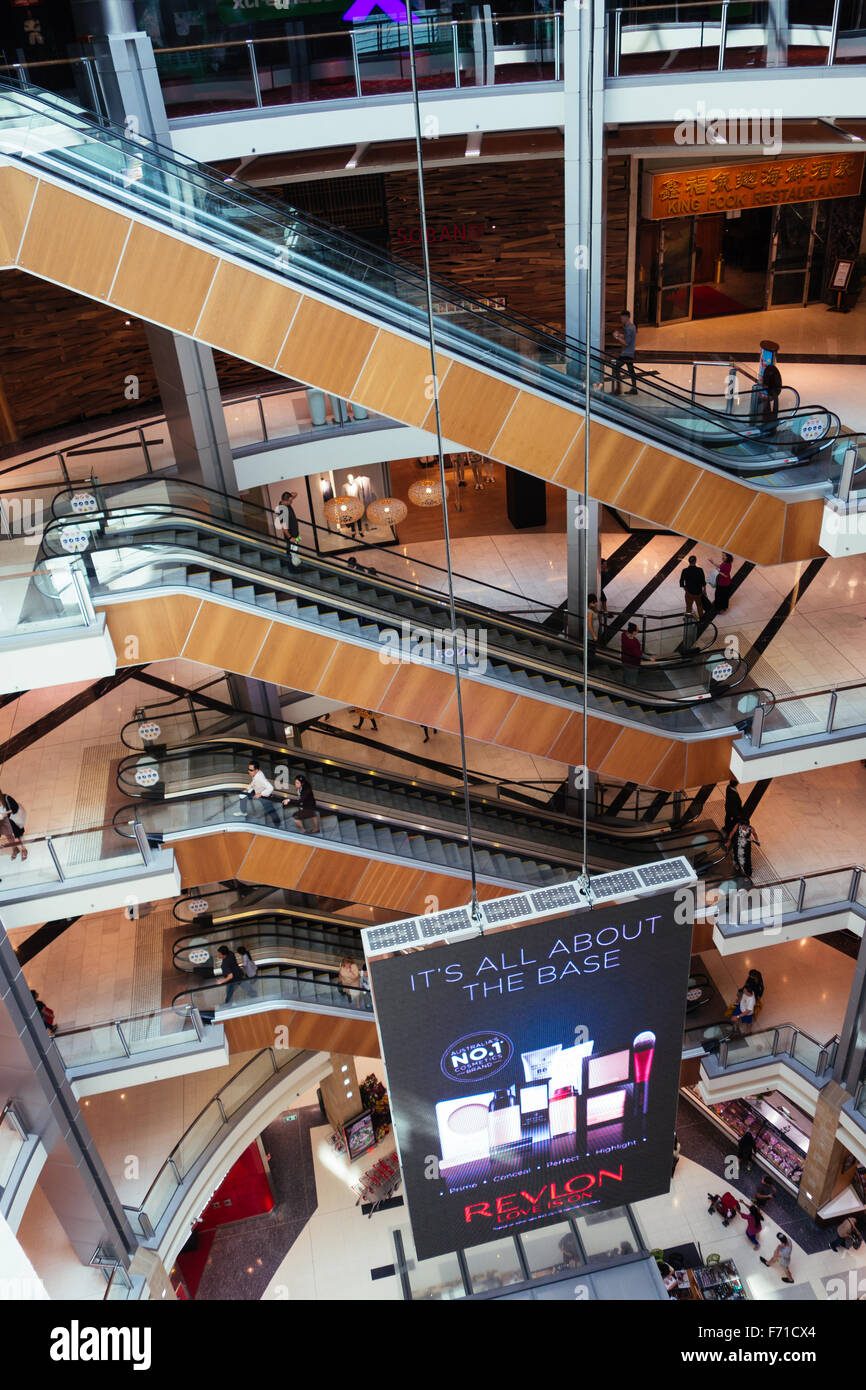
(534, 1072)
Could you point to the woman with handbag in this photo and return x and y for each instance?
(12, 825)
(721, 578)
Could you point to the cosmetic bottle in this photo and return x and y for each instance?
(563, 1112)
(503, 1121)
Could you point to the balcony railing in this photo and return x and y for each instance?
(727, 36)
(832, 710)
(205, 1133)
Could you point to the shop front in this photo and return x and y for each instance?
(734, 238)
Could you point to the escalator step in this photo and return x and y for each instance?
(245, 593)
(198, 579)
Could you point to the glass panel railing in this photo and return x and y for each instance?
(237, 1092)
(143, 177)
(163, 1188)
(861, 1101)
(12, 1141)
(751, 1047)
(797, 718)
(208, 78)
(820, 890)
(200, 1134)
(216, 1115)
(851, 34)
(526, 48)
(312, 67)
(44, 601)
(807, 1051)
(116, 1040)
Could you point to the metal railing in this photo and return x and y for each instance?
(786, 1040)
(67, 855)
(13, 1141)
(722, 35)
(808, 714)
(27, 607)
(204, 1134)
(122, 1039)
(769, 904)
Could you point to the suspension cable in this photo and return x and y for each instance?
(475, 911)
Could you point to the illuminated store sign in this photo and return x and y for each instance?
(392, 8)
(534, 1071)
(808, 178)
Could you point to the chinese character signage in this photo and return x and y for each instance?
(693, 192)
(533, 1073)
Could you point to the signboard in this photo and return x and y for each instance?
(693, 192)
(534, 1072)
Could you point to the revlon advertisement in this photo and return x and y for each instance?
(534, 1072)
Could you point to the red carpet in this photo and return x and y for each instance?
(708, 302)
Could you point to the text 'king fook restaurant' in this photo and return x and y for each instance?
(534, 1071)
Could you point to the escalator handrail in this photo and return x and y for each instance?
(522, 837)
(540, 809)
(272, 972)
(409, 318)
(407, 585)
(637, 695)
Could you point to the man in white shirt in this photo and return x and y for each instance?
(261, 790)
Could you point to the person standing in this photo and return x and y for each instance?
(364, 714)
(746, 1150)
(782, 1257)
(250, 970)
(475, 463)
(349, 978)
(604, 577)
(693, 582)
(847, 1234)
(744, 1012)
(733, 806)
(626, 336)
(754, 1222)
(230, 971)
(723, 583)
(261, 790)
(632, 655)
(766, 1191)
(740, 843)
(592, 627)
(772, 384)
(732, 390)
(307, 809)
(291, 526)
(46, 1014)
(12, 829)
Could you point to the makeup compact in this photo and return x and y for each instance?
(463, 1128)
(607, 1094)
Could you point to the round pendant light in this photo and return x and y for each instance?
(342, 511)
(427, 493)
(388, 511)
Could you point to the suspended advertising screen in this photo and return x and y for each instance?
(533, 1072)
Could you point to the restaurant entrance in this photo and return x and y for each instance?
(731, 262)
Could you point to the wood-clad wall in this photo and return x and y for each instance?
(616, 196)
(64, 358)
(521, 253)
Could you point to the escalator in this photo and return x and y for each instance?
(377, 820)
(196, 573)
(133, 224)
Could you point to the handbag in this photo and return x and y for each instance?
(713, 578)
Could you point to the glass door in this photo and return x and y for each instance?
(791, 251)
(676, 269)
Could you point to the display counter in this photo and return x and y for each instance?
(719, 1282)
(781, 1138)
